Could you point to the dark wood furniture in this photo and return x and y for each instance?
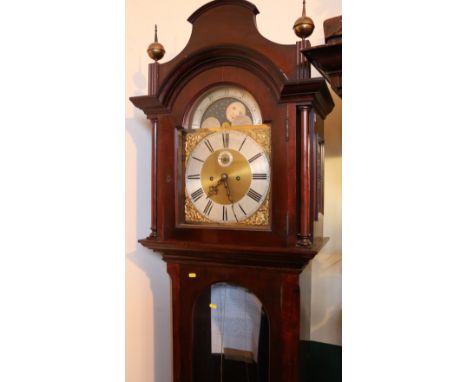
(327, 58)
(226, 48)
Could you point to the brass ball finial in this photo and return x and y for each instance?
(155, 50)
(304, 26)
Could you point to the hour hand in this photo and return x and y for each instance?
(213, 190)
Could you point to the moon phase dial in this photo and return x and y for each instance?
(226, 104)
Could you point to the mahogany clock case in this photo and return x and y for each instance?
(274, 74)
(267, 262)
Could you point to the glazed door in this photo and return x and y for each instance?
(230, 336)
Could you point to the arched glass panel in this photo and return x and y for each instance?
(230, 336)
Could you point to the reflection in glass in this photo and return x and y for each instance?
(230, 336)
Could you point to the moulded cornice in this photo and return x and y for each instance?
(312, 91)
(150, 105)
(294, 259)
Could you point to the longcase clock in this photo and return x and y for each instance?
(237, 193)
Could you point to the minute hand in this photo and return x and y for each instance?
(228, 193)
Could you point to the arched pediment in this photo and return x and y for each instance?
(213, 57)
(215, 43)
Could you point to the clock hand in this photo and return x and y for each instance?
(214, 189)
(228, 192)
(224, 180)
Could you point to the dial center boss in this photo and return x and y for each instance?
(228, 166)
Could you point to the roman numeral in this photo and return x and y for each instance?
(196, 195)
(255, 157)
(195, 176)
(259, 176)
(197, 159)
(234, 212)
(225, 140)
(225, 214)
(208, 208)
(242, 209)
(242, 144)
(208, 145)
(254, 195)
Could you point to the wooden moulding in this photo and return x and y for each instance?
(195, 15)
(154, 175)
(153, 71)
(150, 106)
(303, 65)
(313, 91)
(235, 24)
(305, 233)
(214, 57)
(292, 259)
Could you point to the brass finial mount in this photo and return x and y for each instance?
(304, 26)
(155, 50)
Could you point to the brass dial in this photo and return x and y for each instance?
(227, 176)
(228, 167)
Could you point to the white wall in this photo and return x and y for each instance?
(321, 280)
(148, 322)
